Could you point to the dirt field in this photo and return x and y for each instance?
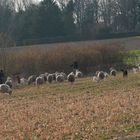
(83, 111)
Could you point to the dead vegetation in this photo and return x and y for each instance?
(86, 110)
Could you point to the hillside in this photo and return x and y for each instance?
(86, 110)
(131, 43)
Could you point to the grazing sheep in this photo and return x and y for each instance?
(78, 74)
(60, 78)
(95, 79)
(71, 77)
(125, 72)
(46, 74)
(9, 83)
(39, 81)
(101, 75)
(64, 74)
(135, 70)
(23, 81)
(106, 74)
(44, 77)
(54, 76)
(113, 72)
(31, 79)
(50, 78)
(5, 89)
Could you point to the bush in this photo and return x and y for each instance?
(37, 60)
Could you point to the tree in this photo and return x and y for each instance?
(50, 22)
(68, 18)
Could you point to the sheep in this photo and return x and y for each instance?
(46, 74)
(39, 80)
(60, 78)
(44, 77)
(135, 70)
(23, 81)
(71, 77)
(4, 88)
(113, 72)
(31, 79)
(9, 83)
(106, 74)
(101, 75)
(50, 78)
(54, 76)
(78, 74)
(125, 72)
(64, 74)
(95, 79)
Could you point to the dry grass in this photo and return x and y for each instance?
(38, 60)
(85, 110)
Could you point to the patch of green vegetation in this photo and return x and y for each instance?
(132, 129)
(132, 57)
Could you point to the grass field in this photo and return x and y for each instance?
(83, 111)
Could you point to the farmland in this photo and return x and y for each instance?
(109, 109)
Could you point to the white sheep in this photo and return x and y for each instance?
(50, 78)
(106, 74)
(60, 78)
(39, 81)
(31, 79)
(64, 74)
(113, 72)
(95, 79)
(71, 77)
(44, 77)
(23, 81)
(5, 89)
(78, 74)
(9, 83)
(101, 75)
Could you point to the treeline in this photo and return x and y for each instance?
(27, 20)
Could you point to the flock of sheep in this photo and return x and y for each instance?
(59, 77)
(40, 80)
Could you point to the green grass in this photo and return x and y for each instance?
(133, 57)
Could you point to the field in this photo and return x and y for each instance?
(133, 57)
(85, 110)
(130, 43)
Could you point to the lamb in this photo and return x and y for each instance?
(71, 77)
(4, 88)
(50, 78)
(39, 80)
(60, 78)
(78, 74)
